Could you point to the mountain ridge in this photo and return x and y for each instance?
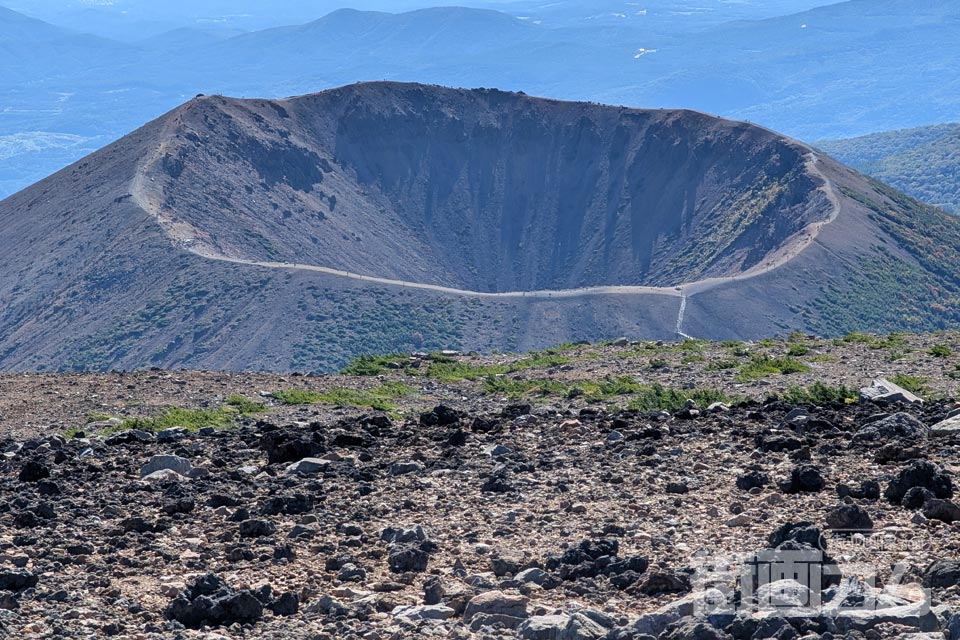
(101, 264)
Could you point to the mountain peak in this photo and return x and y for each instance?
(384, 216)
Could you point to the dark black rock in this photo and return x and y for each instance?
(257, 528)
(17, 580)
(130, 436)
(752, 480)
(33, 471)
(211, 602)
(942, 510)
(287, 604)
(439, 416)
(516, 410)
(173, 506)
(289, 445)
(942, 574)
(849, 517)
(288, 505)
(48, 488)
(677, 488)
(497, 483)
(868, 490)
(916, 497)
(920, 473)
(407, 557)
(432, 590)
(805, 478)
(457, 439)
(222, 500)
(802, 532)
(779, 442)
(137, 525)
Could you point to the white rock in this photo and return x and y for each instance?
(423, 612)
(949, 427)
(307, 466)
(882, 391)
(165, 475)
(497, 450)
(177, 464)
(742, 520)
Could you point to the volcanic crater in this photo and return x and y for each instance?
(481, 190)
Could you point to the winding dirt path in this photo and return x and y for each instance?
(182, 238)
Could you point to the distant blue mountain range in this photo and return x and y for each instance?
(834, 71)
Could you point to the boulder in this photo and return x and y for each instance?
(210, 602)
(948, 427)
(423, 612)
(17, 580)
(290, 445)
(882, 391)
(752, 480)
(805, 478)
(658, 582)
(33, 471)
(920, 473)
(407, 557)
(942, 510)
(898, 426)
(849, 517)
(496, 603)
(307, 467)
(538, 577)
(942, 574)
(163, 476)
(562, 627)
(166, 462)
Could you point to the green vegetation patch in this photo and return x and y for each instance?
(245, 406)
(367, 365)
(818, 393)
(189, 419)
(914, 384)
(940, 351)
(452, 369)
(761, 366)
(920, 294)
(643, 397)
(656, 397)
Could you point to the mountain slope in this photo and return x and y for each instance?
(922, 162)
(378, 217)
(481, 190)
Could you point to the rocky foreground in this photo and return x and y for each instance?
(507, 518)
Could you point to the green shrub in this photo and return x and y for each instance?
(245, 406)
(761, 365)
(797, 350)
(297, 396)
(940, 351)
(659, 398)
(913, 384)
(189, 419)
(818, 393)
(379, 398)
(374, 365)
(723, 365)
